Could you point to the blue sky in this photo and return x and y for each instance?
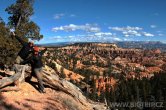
(98, 20)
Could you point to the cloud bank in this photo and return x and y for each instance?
(73, 27)
(132, 31)
(93, 33)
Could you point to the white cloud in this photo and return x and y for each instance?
(94, 33)
(153, 26)
(103, 34)
(126, 35)
(128, 31)
(128, 28)
(59, 16)
(73, 27)
(117, 39)
(132, 31)
(147, 34)
(89, 37)
(63, 15)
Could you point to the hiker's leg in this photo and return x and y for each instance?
(38, 72)
(28, 79)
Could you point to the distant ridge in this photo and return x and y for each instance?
(122, 44)
(61, 44)
(143, 45)
(58, 44)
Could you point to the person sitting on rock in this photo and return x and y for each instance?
(36, 64)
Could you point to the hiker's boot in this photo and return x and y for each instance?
(42, 91)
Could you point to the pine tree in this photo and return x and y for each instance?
(107, 94)
(112, 97)
(94, 93)
(19, 19)
(7, 47)
(102, 96)
(62, 74)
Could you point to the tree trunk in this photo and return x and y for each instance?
(9, 80)
(19, 76)
(9, 89)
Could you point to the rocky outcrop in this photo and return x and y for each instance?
(52, 80)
